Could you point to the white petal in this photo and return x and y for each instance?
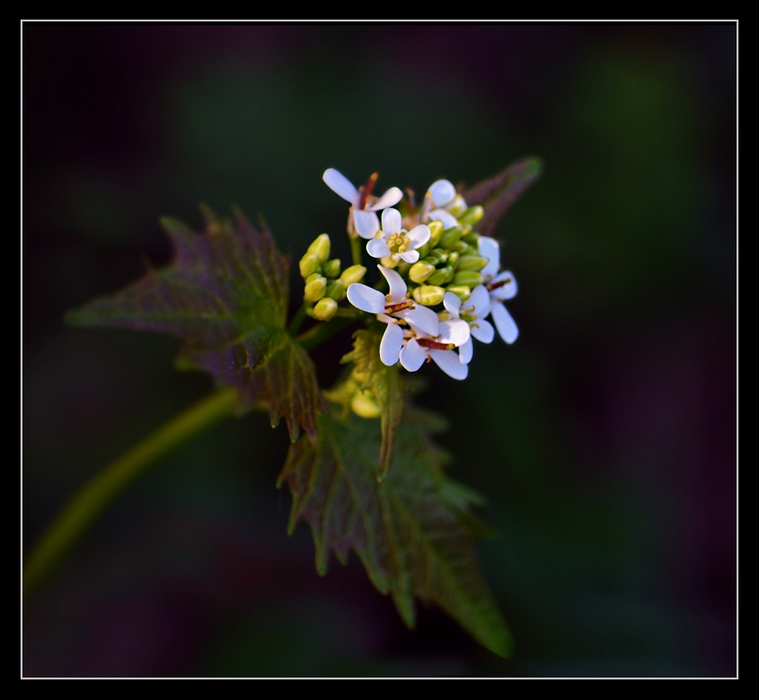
(366, 223)
(507, 329)
(412, 356)
(452, 304)
(466, 351)
(377, 248)
(340, 184)
(449, 362)
(454, 331)
(421, 318)
(410, 256)
(489, 249)
(441, 192)
(448, 219)
(508, 290)
(483, 331)
(391, 344)
(480, 300)
(419, 235)
(392, 196)
(366, 299)
(396, 283)
(391, 221)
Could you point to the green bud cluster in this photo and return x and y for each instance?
(450, 261)
(325, 284)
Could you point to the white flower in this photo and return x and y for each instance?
(420, 347)
(395, 242)
(395, 309)
(439, 199)
(473, 312)
(501, 286)
(362, 218)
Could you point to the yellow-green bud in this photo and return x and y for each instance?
(428, 295)
(451, 237)
(389, 262)
(471, 238)
(315, 288)
(468, 277)
(309, 264)
(331, 268)
(436, 256)
(441, 276)
(325, 309)
(420, 271)
(321, 247)
(472, 215)
(365, 404)
(335, 290)
(436, 230)
(352, 274)
(458, 206)
(460, 247)
(462, 292)
(472, 262)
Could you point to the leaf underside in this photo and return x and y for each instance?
(413, 531)
(226, 294)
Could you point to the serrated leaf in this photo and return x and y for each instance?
(386, 385)
(414, 531)
(226, 294)
(499, 192)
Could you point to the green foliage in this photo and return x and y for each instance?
(226, 295)
(414, 531)
(385, 383)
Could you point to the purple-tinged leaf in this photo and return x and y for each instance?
(226, 294)
(414, 531)
(499, 192)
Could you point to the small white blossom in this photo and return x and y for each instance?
(473, 312)
(501, 286)
(395, 309)
(362, 218)
(394, 242)
(440, 198)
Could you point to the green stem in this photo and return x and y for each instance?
(355, 249)
(105, 486)
(316, 335)
(298, 319)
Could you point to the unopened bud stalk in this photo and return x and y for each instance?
(308, 264)
(472, 215)
(325, 309)
(321, 247)
(315, 289)
(331, 268)
(352, 274)
(420, 271)
(335, 290)
(428, 295)
(470, 278)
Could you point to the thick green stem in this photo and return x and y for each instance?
(104, 487)
(355, 249)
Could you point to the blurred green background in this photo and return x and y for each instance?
(604, 438)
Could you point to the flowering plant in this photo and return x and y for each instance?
(422, 284)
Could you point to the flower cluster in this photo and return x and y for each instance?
(443, 277)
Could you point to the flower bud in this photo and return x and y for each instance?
(428, 295)
(389, 262)
(458, 206)
(365, 404)
(462, 292)
(335, 290)
(315, 288)
(436, 230)
(471, 238)
(325, 309)
(420, 271)
(320, 247)
(352, 274)
(472, 215)
(451, 237)
(441, 276)
(468, 277)
(308, 264)
(460, 247)
(472, 262)
(436, 256)
(331, 268)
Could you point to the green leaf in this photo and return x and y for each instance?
(386, 385)
(499, 192)
(226, 294)
(414, 531)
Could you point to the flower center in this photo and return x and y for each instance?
(399, 306)
(434, 344)
(398, 242)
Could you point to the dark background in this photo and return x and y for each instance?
(604, 439)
